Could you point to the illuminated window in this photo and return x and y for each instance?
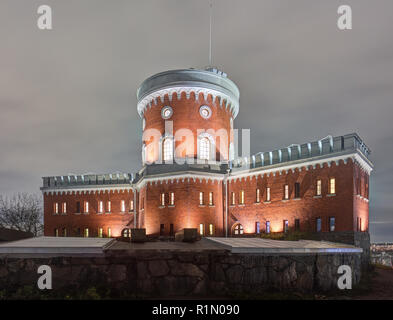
(319, 187)
(166, 112)
(109, 232)
(86, 207)
(86, 233)
(204, 148)
(238, 229)
(100, 233)
(55, 208)
(286, 226)
(132, 205)
(332, 224)
(267, 194)
(286, 192)
(172, 198)
(211, 202)
(233, 199)
(319, 224)
(126, 233)
(211, 229)
(332, 186)
(167, 149)
(64, 209)
(241, 197)
(108, 206)
(267, 226)
(258, 196)
(123, 206)
(257, 227)
(64, 232)
(162, 199)
(297, 190)
(201, 202)
(201, 231)
(56, 232)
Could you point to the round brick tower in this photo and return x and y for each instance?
(188, 116)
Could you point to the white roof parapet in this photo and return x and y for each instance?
(189, 80)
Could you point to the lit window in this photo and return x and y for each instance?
(211, 199)
(201, 202)
(205, 112)
(201, 229)
(332, 224)
(168, 149)
(64, 209)
(286, 192)
(64, 232)
(233, 199)
(56, 208)
(101, 206)
(86, 207)
(319, 187)
(166, 112)
(258, 196)
(108, 206)
(100, 232)
(267, 226)
(86, 233)
(241, 197)
(286, 226)
(123, 206)
(238, 229)
(204, 149)
(132, 205)
(211, 229)
(267, 194)
(56, 232)
(109, 232)
(172, 199)
(319, 224)
(162, 199)
(332, 186)
(257, 228)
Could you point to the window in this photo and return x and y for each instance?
(332, 224)
(78, 207)
(172, 199)
(126, 233)
(201, 231)
(56, 232)
(267, 194)
(86, 233)
(332, 186)
(205, 112)
(257, 228)
(233, 199)
(109, 232)
(201, 202)
(286, 226)
(167, 149)
(166, 112)
(241, 197)
(258, 196)
(100, 232)
(319, 187)
(359, 224)
(64, 232)
(100, 206)
(56, 208)
(108, 206)
(162, 199)
(123, 206)
(204, 149)
(238, 229)
(297, 224)
(162, 229)
(211, 202)
(297, 190)
(319, 224)
(86, 207)
(64, 209)
(267, 226)
(132, 205)
(286, 192)
(211, 229)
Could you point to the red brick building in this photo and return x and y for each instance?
(191, 178)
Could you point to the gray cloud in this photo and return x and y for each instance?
(67, 96)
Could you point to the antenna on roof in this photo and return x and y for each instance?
(210, 38)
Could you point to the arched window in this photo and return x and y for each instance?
(126, 233)
(204, 148)
(167, 150)
(238, 229)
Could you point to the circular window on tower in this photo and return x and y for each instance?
(205, 112)
(166, 112)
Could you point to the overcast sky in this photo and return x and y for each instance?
(68, 96)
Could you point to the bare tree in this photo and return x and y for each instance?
(22, 212)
